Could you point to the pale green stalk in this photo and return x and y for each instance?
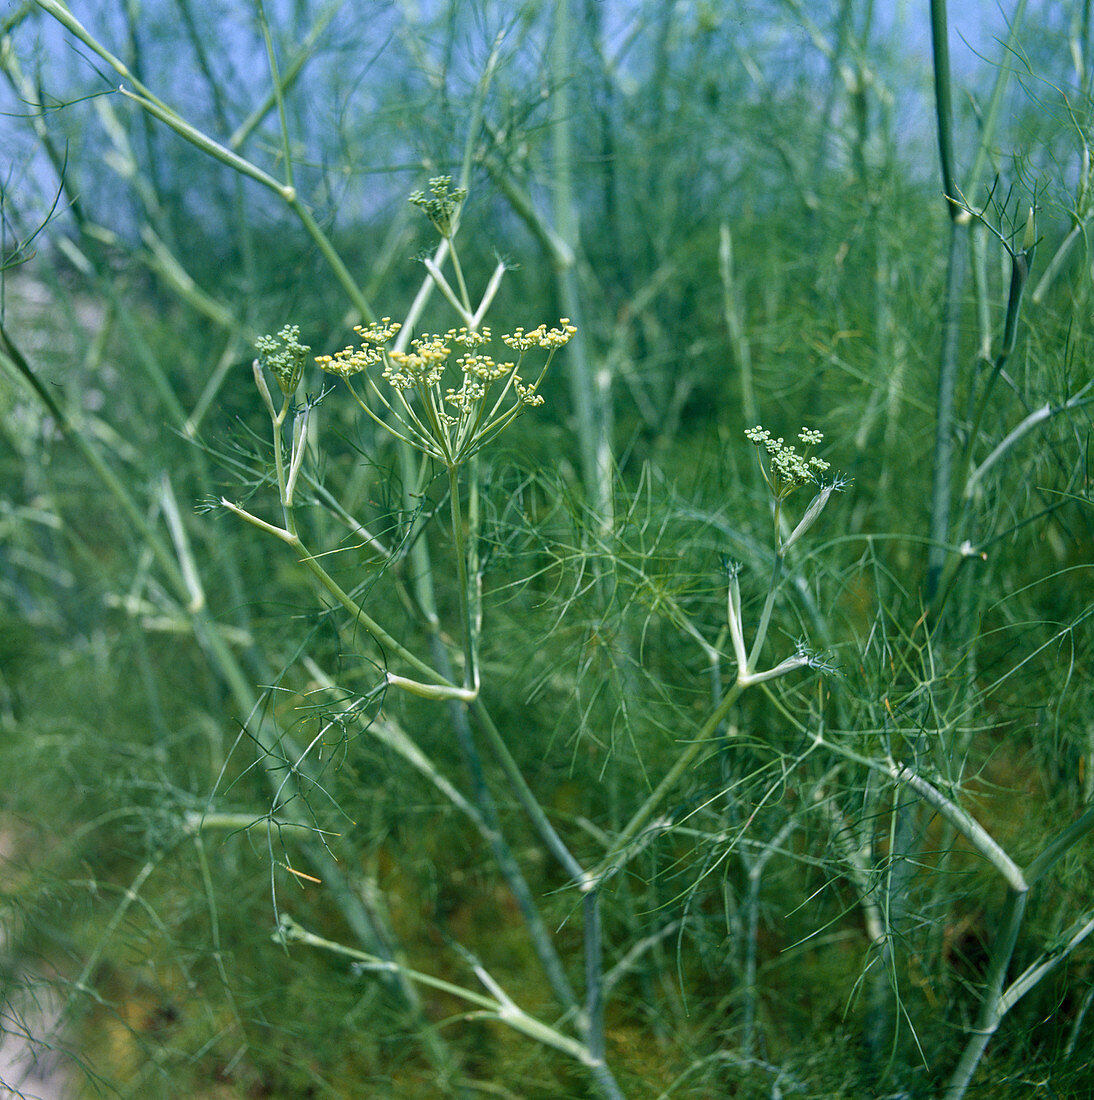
(1020, 259)
(991, 1014)
(590, 390)
(965, 824)
(942, 489)
(734, 318)
(943, 447)
(271, 56)
(460, 540)
(1081, 215)
(499, 1007)
(308, 560)
(292, 71)
(181, 542)
(769, 604)
(1047, 963)
(1022, 429)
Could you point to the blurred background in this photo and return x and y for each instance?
(741, 206)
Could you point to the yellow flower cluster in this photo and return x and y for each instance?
(350, 361)
(483, 367)
(424, 366)
(541, 337)
(453, 423)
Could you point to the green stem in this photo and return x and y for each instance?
(279, 466)
(471, 672)
(684, 761)
(500, 1006)
(330, 254)
(943, 98)
(942, 488)
(733, 313)
(1060, 845)
(465, 298)
(524, 794)
(286, 81)
(991, 1009)
(590, 391)
(335, 589)
(765, 615)
(271, 54)
(359, 614)
(939, 524)
(965, 823)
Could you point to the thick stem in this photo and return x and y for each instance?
(470, 671)
(765, 615)
(589, 389)
(942, 487)
(524, 795)
(499, 1006)
(991, 1007)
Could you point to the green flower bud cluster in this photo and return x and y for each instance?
(284, 356)
(442, 205)
(787, 470)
